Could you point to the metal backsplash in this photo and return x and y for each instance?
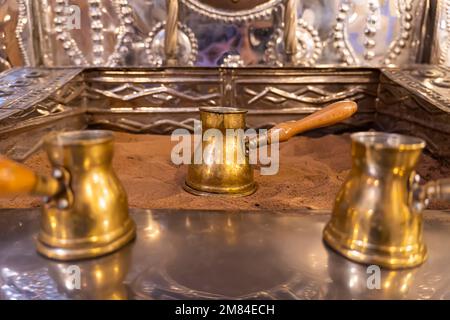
(412, 100)
(223, 33)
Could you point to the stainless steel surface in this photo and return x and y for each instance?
(217, 255)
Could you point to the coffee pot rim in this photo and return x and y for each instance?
(384, 140)
(222, 110)
(79, 138)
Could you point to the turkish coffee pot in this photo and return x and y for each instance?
(377, 216)
(85, 213)
(233, 175)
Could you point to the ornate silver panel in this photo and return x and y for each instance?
(118, 99)
(416, 100)
(441, 44)
(16, 40)
(214, 33)
(412, 100)
(272, 96)
(168, 98)
(34, 101)
(21, 90)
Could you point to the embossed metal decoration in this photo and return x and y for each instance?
(261, 32)
(375, 27)
(23, 89)
(63, 13)
(441, 43)
(412, 100)
(309, 46)
(233, 61)
(186, 50)
(233, 10)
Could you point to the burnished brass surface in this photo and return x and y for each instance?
(230, 171)
(90, 217)
(86, 208)
(225, 177)
(377, 217)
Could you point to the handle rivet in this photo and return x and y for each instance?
(63, 204)
(57, 173)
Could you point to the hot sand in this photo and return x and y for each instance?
(311, 172)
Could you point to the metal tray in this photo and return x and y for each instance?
(217, 255)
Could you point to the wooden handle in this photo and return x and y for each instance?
(332, 114)
(15, 178)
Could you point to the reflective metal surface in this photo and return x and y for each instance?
(257, 32)
(419, 93)
(89, 218)
(22, 89)
(221, 163)
(85, 210)
(376, 218)
(217, 255)
(412, 100)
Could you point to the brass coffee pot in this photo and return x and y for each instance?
(231, 176)
(86, 209)
(377, 213)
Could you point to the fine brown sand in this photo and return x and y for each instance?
(311, 172)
